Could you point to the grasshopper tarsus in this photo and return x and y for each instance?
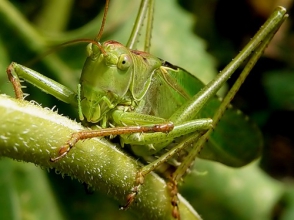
(13, 78)
(130, 199)
(135, 190)
(173, 190)
(63, 151)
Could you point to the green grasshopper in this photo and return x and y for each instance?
(155, 107)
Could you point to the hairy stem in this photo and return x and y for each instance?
(34, 134)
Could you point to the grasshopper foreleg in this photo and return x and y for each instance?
(15, 72)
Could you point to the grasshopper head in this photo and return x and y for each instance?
(108, 77)
(105, 79)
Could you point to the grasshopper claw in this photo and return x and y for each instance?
(130, 200)
(62, 152)
(131, 197)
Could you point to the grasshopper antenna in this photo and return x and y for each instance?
(99, 35)
(60, 46)
(95, 41)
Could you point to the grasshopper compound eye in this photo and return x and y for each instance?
(124, 62)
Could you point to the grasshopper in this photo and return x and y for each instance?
(125, 91)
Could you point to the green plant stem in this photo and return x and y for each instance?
(34, 134)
